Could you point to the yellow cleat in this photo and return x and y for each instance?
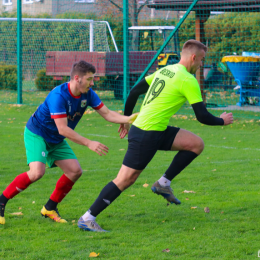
(52, 214)
(2, 214)
(2, 220)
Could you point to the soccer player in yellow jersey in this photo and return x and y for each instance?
(166, 91)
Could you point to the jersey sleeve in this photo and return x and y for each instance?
(57, 105)
(191, 90)
(95, 101)
(150, 78)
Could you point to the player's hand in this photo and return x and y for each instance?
(227, 117)
(132, 118)
(123, 130)
(98, 148)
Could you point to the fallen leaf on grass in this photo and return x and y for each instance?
(93, 254)
(73, 221)
(188, 191)
(146, 185)
(17, 213)
(166, 250)
(193, 207)
(121, 149)
(33, 202)
(132, 195)
(20, 208)
(186, 198)
(222, 212)
(89, 112)
(64, 240)
(206, 209)
(16, 105)
(214, 170)
(194, 228)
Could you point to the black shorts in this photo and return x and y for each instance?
(143, 145)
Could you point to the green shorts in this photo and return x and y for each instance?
(38, 150)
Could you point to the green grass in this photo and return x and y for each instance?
(225, 178)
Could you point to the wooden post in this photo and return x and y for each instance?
(201, 18)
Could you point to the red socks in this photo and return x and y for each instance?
(20, 183)
(63, 186)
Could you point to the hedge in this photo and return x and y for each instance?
(46, 83)
(8, 77)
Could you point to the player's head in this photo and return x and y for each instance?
(82, 73)
(81, 68)
(193, 52)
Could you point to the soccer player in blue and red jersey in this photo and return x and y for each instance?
(46, 130)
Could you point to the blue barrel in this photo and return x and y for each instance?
(246, 69)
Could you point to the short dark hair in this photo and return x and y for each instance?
(81, 68)
(190, 44)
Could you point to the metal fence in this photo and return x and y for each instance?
(127, 41)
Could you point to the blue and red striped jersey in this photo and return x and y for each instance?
(59, 103)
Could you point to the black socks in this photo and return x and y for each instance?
(51, 205)
(3, 199)
(109, 193)
(181, 160)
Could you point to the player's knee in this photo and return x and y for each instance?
(75, 174)
(196, 146)
(35, 175)
(199, 146)
(78, 172)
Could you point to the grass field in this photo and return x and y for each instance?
(225, 178)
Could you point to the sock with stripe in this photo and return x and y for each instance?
(109, 193)
(19, 184)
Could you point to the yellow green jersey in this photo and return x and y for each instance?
(170, 87)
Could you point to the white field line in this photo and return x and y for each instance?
(235, 148)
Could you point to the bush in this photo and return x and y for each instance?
(44, 82)
(8, 77)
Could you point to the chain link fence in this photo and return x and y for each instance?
(125, 48)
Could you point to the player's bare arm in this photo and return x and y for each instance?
(64, 130)
(115, 117)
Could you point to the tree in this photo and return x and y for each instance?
(135, 7)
